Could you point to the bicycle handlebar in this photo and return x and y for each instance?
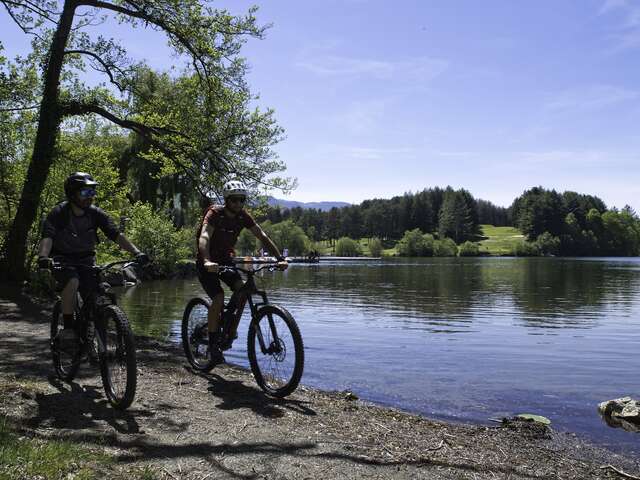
(233, 268)
(99, 268)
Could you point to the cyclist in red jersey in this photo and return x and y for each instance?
(216, 239)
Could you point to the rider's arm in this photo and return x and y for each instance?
(45, 247)
(48, 233)
(266, 241)
(203, 248)
(108, 227)
(125, 244)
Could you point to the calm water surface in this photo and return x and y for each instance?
(462, 339)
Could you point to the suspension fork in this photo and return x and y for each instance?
(272, 326)
(100, 329)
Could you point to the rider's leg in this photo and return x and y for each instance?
(215, 309)
(240, 300)
(70, 279)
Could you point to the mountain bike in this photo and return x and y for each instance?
(274, 343)
(103, 334)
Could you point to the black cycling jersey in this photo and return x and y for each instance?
(76, 236)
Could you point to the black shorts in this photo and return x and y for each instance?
(87, 280)
(211, 281)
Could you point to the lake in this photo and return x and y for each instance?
(453, 338)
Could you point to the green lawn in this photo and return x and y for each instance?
(500, 240)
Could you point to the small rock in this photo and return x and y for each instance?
(350, 396)
(621, 412)
(534, 418)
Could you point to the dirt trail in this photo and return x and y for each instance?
(220, 425)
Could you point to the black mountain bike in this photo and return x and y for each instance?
(274, 343)
(103, 334)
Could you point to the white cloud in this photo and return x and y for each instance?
(362, 117)
(627, 35)
(591, 97)
(420, 68)
(609, 5)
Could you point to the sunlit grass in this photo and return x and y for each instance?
(500, 240)
(22, 457)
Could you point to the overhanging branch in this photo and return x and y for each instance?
(107, 68)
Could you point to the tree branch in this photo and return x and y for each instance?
(148, 132)
(30, 7)
(107, 68)
(15, 109)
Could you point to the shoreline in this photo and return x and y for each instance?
(186, 425)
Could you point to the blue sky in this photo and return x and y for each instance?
(378, 97)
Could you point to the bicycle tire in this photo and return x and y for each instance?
(118, 350)
(65, 365)
(194, 323)
(278, 384)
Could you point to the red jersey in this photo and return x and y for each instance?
(225, 232)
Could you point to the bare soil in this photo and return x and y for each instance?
(188, 425)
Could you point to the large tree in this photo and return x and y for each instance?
(210, 140)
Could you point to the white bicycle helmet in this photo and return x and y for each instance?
(234, 187)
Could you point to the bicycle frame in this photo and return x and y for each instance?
(248, 290)
(89, 308)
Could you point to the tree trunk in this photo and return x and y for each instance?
(12, 266)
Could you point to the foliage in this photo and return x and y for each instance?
(201, 123)
(526, 249)
(288, 235)
(385, 219)
(547, 244)
(445, 248)
(155, 235)
(415, 244)
(246, 244)
(575, 224)
(347, 247)
(469, 249)
(375, 247)
(458, 216)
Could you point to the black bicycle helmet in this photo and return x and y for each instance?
(77, 181)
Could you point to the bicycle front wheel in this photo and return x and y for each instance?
(117, 357)
(66, 362)
(276, 351)
(195, 334)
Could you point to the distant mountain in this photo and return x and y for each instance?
(324, 206)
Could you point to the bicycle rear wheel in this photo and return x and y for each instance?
(276, 351)
(117, 357)
(66, 363)
(195, 334)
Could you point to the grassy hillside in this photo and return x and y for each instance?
(500, 240)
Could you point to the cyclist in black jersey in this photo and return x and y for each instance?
(70, 236)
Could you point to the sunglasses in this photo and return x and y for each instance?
(236, 199)
(88, 192)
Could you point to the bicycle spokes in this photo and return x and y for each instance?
(275, 352)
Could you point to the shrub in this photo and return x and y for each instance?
(246, 244)
(547, 244)
(288, 235)
(469, 249)
(347, 247)
(526, 249)
(375, 247)
(154, 233)
(415, 244)
(445, 248)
